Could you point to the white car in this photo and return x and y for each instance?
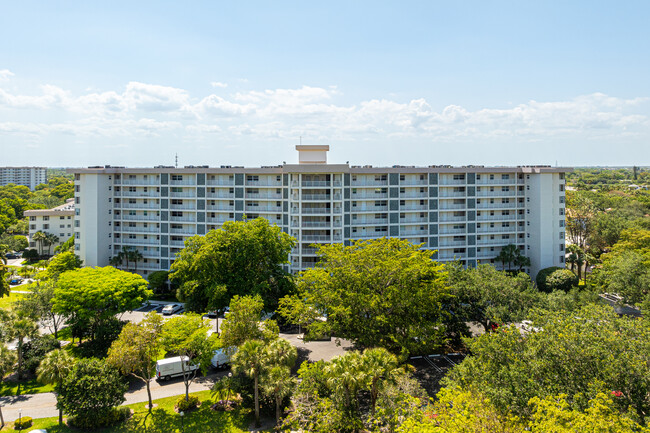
(171, 309)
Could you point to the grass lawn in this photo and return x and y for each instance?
(25, 387)
(6, 301)
(166, 420)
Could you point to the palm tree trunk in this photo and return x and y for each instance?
(2, 419)
(20, 358)
(278, 400)
(257, 404)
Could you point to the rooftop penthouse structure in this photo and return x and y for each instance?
(464, 213)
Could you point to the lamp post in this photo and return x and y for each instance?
(182, 414)
(20, 417)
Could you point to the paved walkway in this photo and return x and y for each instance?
(44, 405)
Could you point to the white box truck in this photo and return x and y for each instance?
(173, 367)
(221, 359)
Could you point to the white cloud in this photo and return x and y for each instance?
(219, 84)
(5, 74)
(151, 110)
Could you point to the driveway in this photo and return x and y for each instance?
(44, 405)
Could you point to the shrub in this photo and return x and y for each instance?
(105, 419)
(30, 254)
(35, 350)
(555, 278)
(184, 405)
(23, 423)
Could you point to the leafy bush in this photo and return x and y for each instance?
(104, 337)
(554, 278)
(106, 419)
(30, 254)
(92, 390)
(35, 350)
(23, 423)
(185, 405)
(158, 281)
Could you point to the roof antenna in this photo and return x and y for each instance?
(301, 140)
(177, 160)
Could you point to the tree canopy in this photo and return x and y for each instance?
(92, 296)
(386, 293)
(242, 258)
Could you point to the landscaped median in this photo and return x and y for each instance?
(165, 419)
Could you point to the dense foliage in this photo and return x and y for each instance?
(242, 258)
(386, 293)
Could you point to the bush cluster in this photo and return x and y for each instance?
(23, 423)
(554, 278)
(184, 405)
(103, 419)
(35, 350)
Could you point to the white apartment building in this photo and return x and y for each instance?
(28, 176)
(57, 221)
(466, 213)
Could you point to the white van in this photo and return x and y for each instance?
(221, 359)
(172, 367)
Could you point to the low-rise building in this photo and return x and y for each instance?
(57, 221)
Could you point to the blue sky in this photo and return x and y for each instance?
(494, 83)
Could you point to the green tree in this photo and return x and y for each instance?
(242, 258)
(62, 262)
(137, 349)
(380, 368)
(252, 360)
(511, 255)
(38, 305)
(187, 336)
(7, 362)
(385, 293)
(54, 368)
(91, 390)
(626, 274)
(158, 280)
(296, 311)
(5, 289)
(577, 353)
(555, 415)
(17, 326)
(40, 238)
(580, 216)
(278, 384)
(488, 296)
(243, 322)
(65, 246)
(50, 239)
(91, 297)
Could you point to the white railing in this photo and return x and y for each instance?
(138, 206)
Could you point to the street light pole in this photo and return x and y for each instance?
(20, 417)
(182, 414)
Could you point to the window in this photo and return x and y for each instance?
(402, 178)
(561, 247)
(177, 177)
(561, 211)
(562, 188)
(459, 177)
(505, 188)
(505, 176)
(561, 259)
(561, 223)
(46, 218)
(32, 218)
(46, 226)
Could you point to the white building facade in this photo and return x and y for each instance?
(28, 176)
(465, 213)
(57, 221)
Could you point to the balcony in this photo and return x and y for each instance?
(220, 182)
(220, 195)
(265, 183)
(317, 224)
(189, 182)
(375, 196)
(369, 209)
(369, 235)
(189, 232)
(452, 231)
(312, 210)
(370, 221)
(496, 206)
(177, 243)
(319, 197)
(184, 206)
(183, 194)
(413, 233)
(445, 181)
(451, 206)
(447, 243)
(138, 241)
(264, 196)
(138, 217)
(188, 219)
(451, 194)
(127, 229)
(412, 220)
(144, 182)
(217, 220)
(420, 207)
(370, 183)
(445, 218)
(220, 207)
(138, 205)
(495, 193)
(511, 181)
(411, 181)
(266, 209)
(137, 194)
(488, 230)
(498, 217)
(414, 195)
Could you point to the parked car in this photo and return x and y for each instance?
(16, 281)
(171, 309)
(12, 256)
(221, 359)
(173, 367)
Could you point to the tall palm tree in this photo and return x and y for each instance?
(51, 239)
(125, 255)
(135, 256)
(39, 237)
(251, 359)
(53, 369)
(278, 384)
(3, 251)
(380, 368)
(21, 327)
(7, 361)
(116, 260)
(282, 353)
(345, 376)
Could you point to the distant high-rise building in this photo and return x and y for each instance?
(28, 176)
(467, 213)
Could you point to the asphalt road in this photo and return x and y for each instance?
(44, 405)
